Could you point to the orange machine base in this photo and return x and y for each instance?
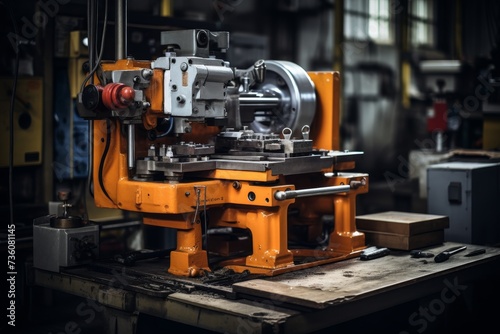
(303, 258)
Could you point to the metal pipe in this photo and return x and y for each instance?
(288, 194)
(131, 146)
(121, 29)
(265, 101)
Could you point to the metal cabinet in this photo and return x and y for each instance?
(469, 194)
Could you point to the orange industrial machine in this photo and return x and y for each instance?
(194, 144)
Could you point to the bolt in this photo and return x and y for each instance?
(237, 185)
(181, 98)
(184, 67)
(147, 73)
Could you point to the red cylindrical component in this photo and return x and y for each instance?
(437, 116)
(116, 96)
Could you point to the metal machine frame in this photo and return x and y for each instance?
(242, 198)
(191, 143)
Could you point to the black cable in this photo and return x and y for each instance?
(99, 58)
(91, 158)
(11, 114)
(170, 127)
(95, 66)
(103, 158)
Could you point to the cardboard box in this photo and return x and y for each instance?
(405, 223)
(402, 230)
(403, 242)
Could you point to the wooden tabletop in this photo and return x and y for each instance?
(295, 302)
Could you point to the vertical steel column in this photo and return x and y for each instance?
(121, 29)
(121, 53)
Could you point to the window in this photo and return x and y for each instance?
(368, 19)
(422, 23)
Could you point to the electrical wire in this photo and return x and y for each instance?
(103, 158)
(170, 127)
(11, 114)
(91, 73)
(95, 66)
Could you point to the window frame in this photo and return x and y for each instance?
(425, 23)
(366, 18)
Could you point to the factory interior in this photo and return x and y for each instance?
(250, 166)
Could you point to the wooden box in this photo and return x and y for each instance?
(402, 230)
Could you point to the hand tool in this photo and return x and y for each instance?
(476, 252)
(445, 255)
(374, 254)
(417, 253)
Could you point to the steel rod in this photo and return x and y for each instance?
(121, 29)
(131, 146)
(259, 101)
(288, 194)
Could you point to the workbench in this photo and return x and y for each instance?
(401, 294)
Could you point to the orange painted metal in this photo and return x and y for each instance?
(325, 128)
(345, 238)
(189, 258)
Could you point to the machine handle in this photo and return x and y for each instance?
(288, 194)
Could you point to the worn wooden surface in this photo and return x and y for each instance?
(354, 279)
(296, 302)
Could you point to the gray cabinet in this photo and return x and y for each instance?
(469, 194)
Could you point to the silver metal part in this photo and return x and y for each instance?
(278, 166)
(288, 194)
(172, 168)
(195, 42)
(296, 92)
(121, 29)
(131, 146)
(54, 248)
(192, 149)
(259, 100)
(133, 78)
(241, 142)
(196, 88)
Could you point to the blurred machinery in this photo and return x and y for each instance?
(198, 146)
(443, 83)
(28, 110)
